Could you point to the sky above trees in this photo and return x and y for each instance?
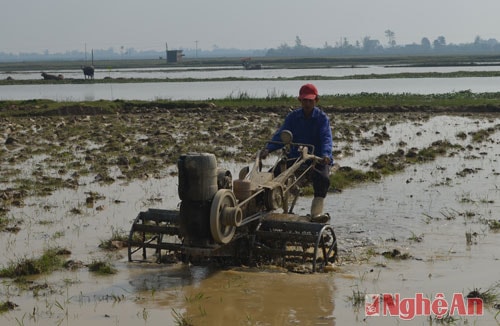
(65, 25)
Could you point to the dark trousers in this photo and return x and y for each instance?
(321, 180)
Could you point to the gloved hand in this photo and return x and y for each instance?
(263, 153)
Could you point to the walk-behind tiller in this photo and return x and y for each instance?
(236, 221)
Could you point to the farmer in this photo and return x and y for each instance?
(310, 125)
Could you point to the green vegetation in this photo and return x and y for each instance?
(494, 224)
(102, 267)
(489, 296)
(347, 176)
(462, 101)
(40, 185)
(386, 164)
(483, 134)
(358, 298)
(181, 319)
(6, 306)
(396, 254)
(52, 259)
(118, 240)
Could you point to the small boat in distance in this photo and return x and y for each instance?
(248, 65)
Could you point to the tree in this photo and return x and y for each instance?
(370, 45)
(391, 37)
(439, 42)
(298, 42)
(425, 43)
(284, 47)
(345, 43)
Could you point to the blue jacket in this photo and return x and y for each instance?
(314, 131)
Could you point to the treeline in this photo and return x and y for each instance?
(369, 46)
(366, 46)
(124, 54)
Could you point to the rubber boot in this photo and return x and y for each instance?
(317, 206)
(317, 215)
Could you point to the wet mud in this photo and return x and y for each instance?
(77, 181)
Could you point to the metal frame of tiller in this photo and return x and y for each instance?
(243, 223)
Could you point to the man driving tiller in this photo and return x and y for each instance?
(309, 125)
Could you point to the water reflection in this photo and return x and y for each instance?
(204, 90)
(256, 298)
(159, 278)
(239, 72)
(207, 90)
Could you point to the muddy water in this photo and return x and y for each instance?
(424, 212)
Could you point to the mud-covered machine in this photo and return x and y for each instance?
(236, 221)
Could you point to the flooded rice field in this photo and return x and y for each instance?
(205, 84)
(238, 71)
(206, 90)
(75, 183)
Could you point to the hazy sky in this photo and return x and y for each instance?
(60, 25)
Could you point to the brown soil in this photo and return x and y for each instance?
(53, 163)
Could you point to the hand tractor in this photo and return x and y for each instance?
(236, 221)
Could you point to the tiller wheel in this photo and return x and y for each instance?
(300, 242)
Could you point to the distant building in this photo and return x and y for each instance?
(174, 56)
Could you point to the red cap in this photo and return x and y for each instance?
(308, 91)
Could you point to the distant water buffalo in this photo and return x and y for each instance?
(88, 71)
(47, 76)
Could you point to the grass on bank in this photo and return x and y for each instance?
(407, 102)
